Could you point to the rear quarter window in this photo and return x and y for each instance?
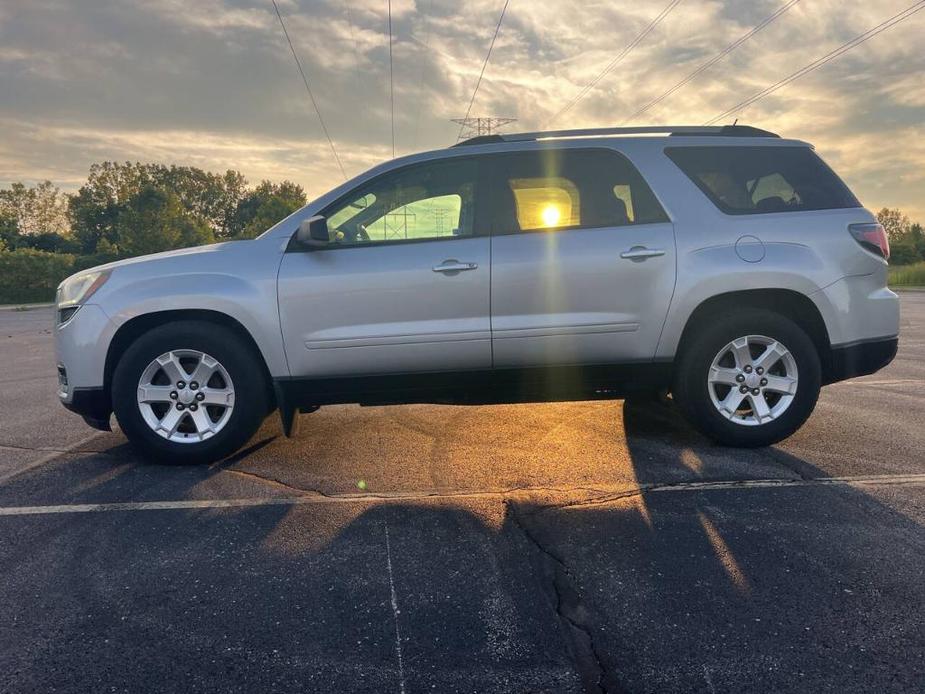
(758, 180)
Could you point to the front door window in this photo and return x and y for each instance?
(430, 201)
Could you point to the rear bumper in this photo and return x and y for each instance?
(858, 309)
(93, 404)
(860, 358)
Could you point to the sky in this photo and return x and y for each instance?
(212, 83)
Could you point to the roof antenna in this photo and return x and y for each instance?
(734, 122)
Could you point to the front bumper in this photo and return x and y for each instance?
(93, 404)
(81, 343)
(860, 358)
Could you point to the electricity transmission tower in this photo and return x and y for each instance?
(474, 126)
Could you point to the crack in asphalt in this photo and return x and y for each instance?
(428, 494)
(572, 613)
(277, 482)
(779, 458)
(595, 495)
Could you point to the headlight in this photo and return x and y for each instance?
(77, 289)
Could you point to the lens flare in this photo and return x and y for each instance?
(551, 215)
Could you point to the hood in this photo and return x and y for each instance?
(154, 257)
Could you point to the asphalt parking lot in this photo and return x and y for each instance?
(595, 546)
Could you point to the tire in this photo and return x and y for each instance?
(707, 405)
(146, 372)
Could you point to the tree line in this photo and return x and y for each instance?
(134, 208)
(124, 210)
(907, 240)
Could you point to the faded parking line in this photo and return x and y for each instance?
(599, 495)
(395, 611)
(894, 382)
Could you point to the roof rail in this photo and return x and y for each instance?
(721, 130)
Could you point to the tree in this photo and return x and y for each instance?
(38, 209)
(98, 203)
(267, 204)
(894, 222)
(212, 199)
(48, 211)
(130, 208)
(153, 220)
(9, 234)
(907, 242)
(30, 275)
(918, 239)
(50, 242)
(903, 253)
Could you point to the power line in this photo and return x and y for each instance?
(484, 65)
(391, 81)
(712, 61)
(819, 62)
(613, 63)
(353, 38)
(309, 90)
(420, 80)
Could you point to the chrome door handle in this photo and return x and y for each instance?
(454, 266)
(641, 253)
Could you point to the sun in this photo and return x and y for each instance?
(551, 215)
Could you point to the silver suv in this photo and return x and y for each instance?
(725, 264)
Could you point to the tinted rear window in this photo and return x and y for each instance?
(757, 180)
(557, 189)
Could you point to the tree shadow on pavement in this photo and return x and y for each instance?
(327, 596)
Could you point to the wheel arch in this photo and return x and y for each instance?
(789, 303)
(135, 327)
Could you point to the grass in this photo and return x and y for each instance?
(907, 275)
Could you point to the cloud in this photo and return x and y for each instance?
(260, 157)
(212, 83)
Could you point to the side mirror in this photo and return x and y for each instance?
(313, 232)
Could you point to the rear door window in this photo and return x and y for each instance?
(558, 189)
(546, 202)
(756, 180)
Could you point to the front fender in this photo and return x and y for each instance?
(251, 303)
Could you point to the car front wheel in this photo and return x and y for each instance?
(750, 379)
(188, 392)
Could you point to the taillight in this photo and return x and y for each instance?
(872, 237)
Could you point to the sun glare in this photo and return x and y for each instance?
(551, 215)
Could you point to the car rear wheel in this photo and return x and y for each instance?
(750, 379)
(188, 392)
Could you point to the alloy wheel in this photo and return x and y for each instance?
(185, 396)
(753, 380)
